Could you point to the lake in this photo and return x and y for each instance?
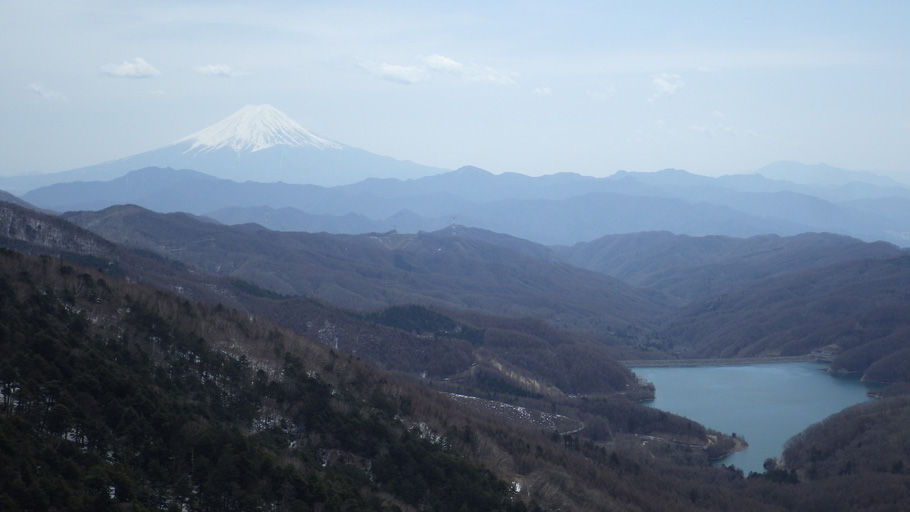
(766, 404)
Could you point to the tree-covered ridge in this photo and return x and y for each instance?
(106, 402)
(858, 311)
(371, 271)
(868, 437)
(424, 321)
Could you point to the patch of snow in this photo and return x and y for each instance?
(426, 433)
(254, 128)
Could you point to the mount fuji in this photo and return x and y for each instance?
(256, 143)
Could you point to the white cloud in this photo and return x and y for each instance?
(490, 75)
(427, 67)
(136, 68)
(397, 73)
(665, 84)
(44, 92)
(217, 70)
(157, 92)
(542, 91)
(443, 63)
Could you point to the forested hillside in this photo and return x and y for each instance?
(112, 384)
(516, 353)
(483, 352)
(865, 438)
(373, 271)
(113, 393)
(690, 268)
(857, 312)
(116, 396)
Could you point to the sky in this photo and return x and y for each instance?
(534, 87)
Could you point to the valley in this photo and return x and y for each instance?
(447, 340)
(521, 334)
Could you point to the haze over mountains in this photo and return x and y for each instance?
(554, 209)
(259, 143)
(230, 172)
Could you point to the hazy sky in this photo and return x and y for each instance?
(535, 87)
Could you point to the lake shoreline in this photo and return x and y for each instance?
(731, 361)
(764, 404)
(739, 444)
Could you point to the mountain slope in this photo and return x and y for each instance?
(112, 398)
(254, 128)
(693, 268)
(117, 396)
(867, 437)
(229, 395)
(372, 271)
(10, 198)
(856, 311)
(439, 352)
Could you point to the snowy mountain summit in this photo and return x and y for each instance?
(256, 143)
(254, 128)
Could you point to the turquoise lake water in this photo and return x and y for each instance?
(766, 404)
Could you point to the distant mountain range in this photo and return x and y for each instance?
(260, 166)
(258, 143)
(822, 174)
(561, 208)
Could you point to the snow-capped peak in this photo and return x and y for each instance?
(253, 128)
